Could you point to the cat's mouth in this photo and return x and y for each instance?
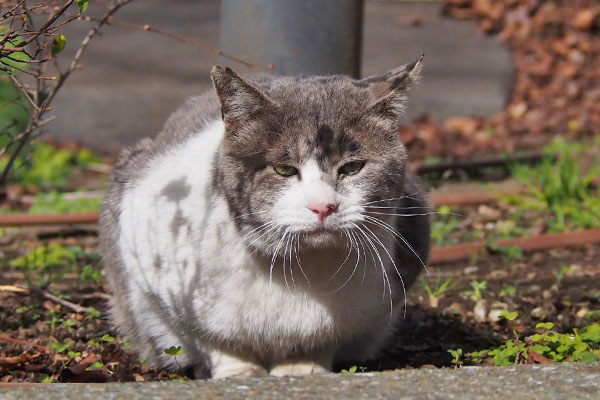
(319, 236)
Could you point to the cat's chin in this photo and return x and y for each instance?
(319, 238)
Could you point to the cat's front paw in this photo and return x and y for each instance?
(246, 371)
(298, 368)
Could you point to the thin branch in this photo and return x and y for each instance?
(8, 339)
(182, 39)
(86, 41)
(72, 306)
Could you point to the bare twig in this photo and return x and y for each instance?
(72, 306)
(86, 41)
(19, 36)
(182, 39)
(8, 339)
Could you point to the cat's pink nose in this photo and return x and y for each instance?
(323, 209)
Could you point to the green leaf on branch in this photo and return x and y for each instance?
(58, 44)
(83, 5)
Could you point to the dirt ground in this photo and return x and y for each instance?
(558, 286)
(557, 54)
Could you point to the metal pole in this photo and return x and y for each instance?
(298, 36)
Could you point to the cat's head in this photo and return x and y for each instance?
(309, 157)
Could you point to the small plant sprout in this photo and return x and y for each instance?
(456, 357)
(354, 369)
(439, 288)
(126, 344)
(69, 323)
(508, 253)
(96, 365)
(562, 272)
(508, 290)
(477, 292)
(106, 338)
(442, 228)
(91, 274)
(60, 347)
(45, 378)
(510, 315)
(174, 351)
(93, 313)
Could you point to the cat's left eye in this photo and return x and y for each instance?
(285, 170)
(351, 168)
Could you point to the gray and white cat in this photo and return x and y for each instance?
(272, 226)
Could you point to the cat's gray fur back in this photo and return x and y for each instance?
(316, 101)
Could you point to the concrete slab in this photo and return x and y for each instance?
(132, 80)
(561, 381)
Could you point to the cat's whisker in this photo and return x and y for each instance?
(358, 241)
(395, 232)
(297, 251)
(382, 200)
(258, 229)
(374, 236)
(272, 231)
(352, 246)
(289, 242)
(406, 196)
(366, 247)
(398, 208)
(344, 262)
(275, 252)
(385, 277)
(415, 214)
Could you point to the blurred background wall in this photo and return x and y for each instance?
(132, 80)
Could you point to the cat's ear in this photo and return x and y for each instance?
(390, 88)
(240, 101)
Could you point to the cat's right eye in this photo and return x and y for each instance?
(286, 170)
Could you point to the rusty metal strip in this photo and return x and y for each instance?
(541, 242)
(48, 219)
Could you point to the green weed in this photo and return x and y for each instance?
(558, 186)
(45, 378)
(174, 351)
(106, 338)
(55, 202)
(477, 290)
(578, 345)
(60, 347)
(439, 288)
(508, 253)
(456, 357)
(46, 264)
(442, 228)
(50, 262)
(353, 369)
(93, 313)
(91, 274)
(510, 315)
(46, 166)
(508, 290)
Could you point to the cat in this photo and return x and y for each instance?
(272, 227)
